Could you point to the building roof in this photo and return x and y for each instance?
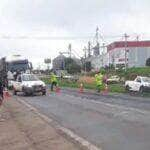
(121, 44)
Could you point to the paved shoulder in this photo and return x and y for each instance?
(21, 129)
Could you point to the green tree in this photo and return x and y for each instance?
(71, 66)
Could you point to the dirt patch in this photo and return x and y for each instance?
(21, 129)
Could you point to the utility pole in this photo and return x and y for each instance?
(89, 49)
(136, 52)
(126, 38)
(102, 54)
(85, 58)
(70, 50)
(137, 38)
(97, 50)
(97, 35)
(103, 48)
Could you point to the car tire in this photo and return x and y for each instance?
(127, 88)
(141, 89)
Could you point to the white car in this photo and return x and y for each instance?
(140, 84)
(28, 84)
(113, 79)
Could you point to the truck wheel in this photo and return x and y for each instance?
(141, 89)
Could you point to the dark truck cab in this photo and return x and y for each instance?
(3, 72)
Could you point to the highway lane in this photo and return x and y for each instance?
(126, 100)
(100, 120)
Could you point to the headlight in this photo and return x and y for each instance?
(44, 85)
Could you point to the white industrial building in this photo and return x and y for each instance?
(137, 53)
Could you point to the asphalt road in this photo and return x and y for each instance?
(110, 122)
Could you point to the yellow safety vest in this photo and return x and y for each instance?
(99, 79)
(53, 78)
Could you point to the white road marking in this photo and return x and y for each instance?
(72, 135)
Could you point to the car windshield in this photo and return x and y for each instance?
(29, 78)
(146, 79)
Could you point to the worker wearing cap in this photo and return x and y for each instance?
(99, 81)
(54, 81)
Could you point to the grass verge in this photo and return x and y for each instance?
(114, 88)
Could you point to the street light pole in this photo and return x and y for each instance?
(70, 50)
(84, 58)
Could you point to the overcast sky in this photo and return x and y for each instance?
(67, 18)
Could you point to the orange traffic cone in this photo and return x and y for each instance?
(1, 101)
(57, 90)
(6, 94)
(106, 90)
(81, 88)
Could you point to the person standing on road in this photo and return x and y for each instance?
(99, 81)
(54, 81)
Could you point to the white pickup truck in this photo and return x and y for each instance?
(140, 84)
(28, 84)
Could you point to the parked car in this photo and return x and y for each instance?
(28, 84)
(74, 78)
(140, 84)
(113, 79)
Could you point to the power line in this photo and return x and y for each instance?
(55, 37)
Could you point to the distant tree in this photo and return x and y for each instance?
(148, 62)
(88, 66)
(71, 66)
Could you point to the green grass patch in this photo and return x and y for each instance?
(114, 88)
(131, 73)
(117, 88)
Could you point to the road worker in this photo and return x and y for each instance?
(54, 81)
(99, 81)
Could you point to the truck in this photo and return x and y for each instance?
(18, 63)
(3, 72)
(11, 65)
(140, 84)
